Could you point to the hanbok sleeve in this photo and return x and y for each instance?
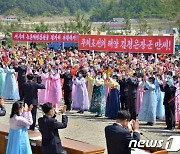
(90, 78)
(55, 77)
(78, 82)
(150, 86)
(6, 69)
(10, 71)
(25, 119)
(112, 84)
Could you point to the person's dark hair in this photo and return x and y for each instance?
(115, 77)
(68, 67)
(123, 115)
(46, 107)
(159, 75)
(169, 73)
(152, 78)
(175, 78)
(135, 74)
(30, 76)
(15, 108)
(1, 65)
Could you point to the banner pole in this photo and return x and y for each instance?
(156, 58)
(63, 45)
(93, 54)
(27, 44)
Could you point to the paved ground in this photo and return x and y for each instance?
(89, 129)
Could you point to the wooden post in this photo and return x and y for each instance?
(27, 45)
(93, 54)
(155, 58)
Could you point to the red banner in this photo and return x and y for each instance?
(45, 37)
(138, 44)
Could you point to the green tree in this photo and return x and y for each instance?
(41, 27)
(103, 27)
(142, 25)
(127, 27)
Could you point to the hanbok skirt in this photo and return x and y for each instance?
(18, 141)
(98, 100)
(160, 111)
(80, 100)
(148, 107)
(2, 82)
(113, 104)
(10, 88)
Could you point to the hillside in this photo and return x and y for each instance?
(47, 7)
(98, 10)
(135, 8)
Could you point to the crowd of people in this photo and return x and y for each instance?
(103, 83)
(147, 86)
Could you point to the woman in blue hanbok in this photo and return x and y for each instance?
(113, 99)
(10, 87)
(148, 107)
(18, 140)
(98, 97)
(160, 111)
(2, 79)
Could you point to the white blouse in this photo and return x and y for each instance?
(17, 122)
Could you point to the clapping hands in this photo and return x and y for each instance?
(2, 100)
(62, 109)
(133, 125)
(26, 108)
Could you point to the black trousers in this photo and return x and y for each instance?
(123, 100)
(68, 99)
(132, 106)
(170, 115)
(34, 112)
(21, 91)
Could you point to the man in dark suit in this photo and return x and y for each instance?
(21, 69)
(48, 126)
(132, 95)
(30, 90)
(118, 136)
(169, 102)
(67, 87)
(123, 93)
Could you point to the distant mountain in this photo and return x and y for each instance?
(99, 10)
(47, 7)
(137, 8)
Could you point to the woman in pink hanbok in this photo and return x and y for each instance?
(43, 93)
(55, 89)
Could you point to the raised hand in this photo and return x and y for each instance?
(2, 100)
(64, 109)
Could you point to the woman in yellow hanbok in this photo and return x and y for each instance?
(90, 85)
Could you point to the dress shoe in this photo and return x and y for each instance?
(149, 123)
(98, 115)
